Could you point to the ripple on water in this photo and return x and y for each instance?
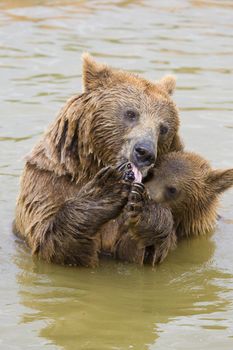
(187, 302)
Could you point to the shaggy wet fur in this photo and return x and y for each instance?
(73, 191)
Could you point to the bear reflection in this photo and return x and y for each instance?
(119, 306)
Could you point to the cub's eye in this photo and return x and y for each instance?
(131, 115)
(163, 129)
(171, 190)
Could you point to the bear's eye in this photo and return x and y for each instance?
(163, 129)
(131, 115)
(171, 190)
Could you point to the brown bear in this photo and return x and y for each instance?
(185, 183)
(77, 179)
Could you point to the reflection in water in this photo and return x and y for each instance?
(120, 306)
(187, 302)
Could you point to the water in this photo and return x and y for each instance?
(188, 302)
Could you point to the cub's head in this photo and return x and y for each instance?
(130, 118)
(186, 183)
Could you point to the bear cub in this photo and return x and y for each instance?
(184, 183)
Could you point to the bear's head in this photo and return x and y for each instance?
(132, 118)
(118, 117)
(186, 183)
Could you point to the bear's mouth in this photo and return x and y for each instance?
(142, 174)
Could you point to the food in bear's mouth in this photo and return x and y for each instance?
(137, 173)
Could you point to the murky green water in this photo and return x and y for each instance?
(188, 302)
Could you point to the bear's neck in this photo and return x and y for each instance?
(199, 220)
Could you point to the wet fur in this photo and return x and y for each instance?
(195, 208)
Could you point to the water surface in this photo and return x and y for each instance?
(187, 302)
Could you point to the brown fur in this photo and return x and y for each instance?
(197, 190)
(149, 224)
(72, 188)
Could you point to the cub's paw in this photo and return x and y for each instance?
(136, 201)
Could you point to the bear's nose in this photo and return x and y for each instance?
(144, 154)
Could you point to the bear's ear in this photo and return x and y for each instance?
(168, 83)
(177, 144)
(94, 74)
(220, 180)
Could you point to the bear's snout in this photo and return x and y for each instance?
(144, 154)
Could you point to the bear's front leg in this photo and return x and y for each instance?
(149, 224)
(70, 236)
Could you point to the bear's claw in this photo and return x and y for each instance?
(129, 175)
(123, 166)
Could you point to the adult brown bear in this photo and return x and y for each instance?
(77, 179)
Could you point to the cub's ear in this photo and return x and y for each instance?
(94, 74)
(168, 83)
(220, 180)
